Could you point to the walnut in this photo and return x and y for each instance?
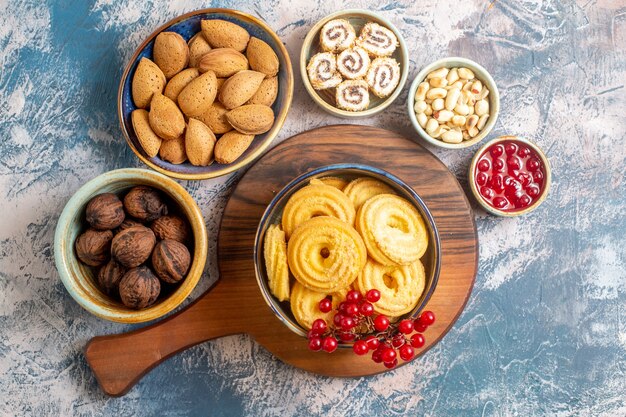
(171, 260)
(131, 247)
(171, 227)
(109, 277)
(93, 246)
(139, 288)
(128, 223)
(145, 203)
(105, 211)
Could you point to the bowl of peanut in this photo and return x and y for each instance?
(453, 103)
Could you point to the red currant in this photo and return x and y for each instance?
(497, 150)
(524, 178)
(483, 165)
(342, 306)
(337, 319)
(500, 202)
(406, 326)
(481, 178)
(497, 183)
(315, 343)
(514, 162)
(533, 190)
(352, 309)
(498, 165)
(389, 354)
(347, 323)
(523, 152)
(427, 318)
(510, 148)
(420, 328)
(523, 201)
(353, 296)
(391, 365)
(360, 347)
(381, 323)
(533, 164)
(372, 342)
(406, 352)
(311, 334)
(373, 295)
(486, 192)
(538, 176)
(398, 340)
(377, 356)
(329, 344)
(347, 336)
(366, 309)
(319, 327)
(417, 340)
(325, 305)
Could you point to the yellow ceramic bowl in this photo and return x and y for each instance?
(326, 98)
(80, 280)
(187, 26)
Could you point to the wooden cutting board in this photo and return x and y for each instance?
(234, 304)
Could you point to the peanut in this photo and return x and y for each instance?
(477, 87)
(422, 119)
(452, 136)
(452, 98)
(443, 115)
(472, 131)
(434, 93)
(431, 125)
(420, 106)
(428, 111)
(458, 120)
(462, 109)
(481, 107)
(482, 121)
(465, 73)
(471, 121)
(438, 82)
(452, 76)
(420, 94)
(438, 73)
(438, 104)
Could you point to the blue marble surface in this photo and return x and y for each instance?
(544, 332)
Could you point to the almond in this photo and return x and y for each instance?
(262, 57)
(240, 88)
(148, 140)
(148, 79)
(173, 150)
(165, 118)
(223, 34)
(179, 82)
(267, 92)
(198, 95)
(215, 118)
(170, 53)
(220, 82)
(198, 47)
(199, 143)
(251, 119)
(231, 145)
(224, 62)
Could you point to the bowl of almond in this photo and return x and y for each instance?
(205, 94)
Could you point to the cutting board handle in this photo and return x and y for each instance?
(119, 361)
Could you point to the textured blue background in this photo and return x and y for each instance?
(544, 332)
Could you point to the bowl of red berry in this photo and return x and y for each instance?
(510, 176)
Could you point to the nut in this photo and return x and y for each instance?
(144, 203)
(128, 223)
(171, 227)
(105, 211)
(131, 247)
(93, 246)
(171, 260)
(139, 288)
(109, 277)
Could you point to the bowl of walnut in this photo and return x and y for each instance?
(130, 245)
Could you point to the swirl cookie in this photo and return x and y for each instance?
(377, 40)
(337, 35)
(275, 254)
(392, 229)
(353, 63)
(322, 71)
(325, 254)
(352, 95)
(362, 189)
(383, 76)
(304, 304)
(400, 286)
(338, 183)
(316, 200)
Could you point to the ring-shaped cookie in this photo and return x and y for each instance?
(275, 255)
(305, 304)
(362, 189)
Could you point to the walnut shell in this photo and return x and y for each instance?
(93, 246)
(139, 288)
(131, 247)
(171, 227)
(171, 260)
(145, 203)
(105, 211)
(128, 223)
(109, 277)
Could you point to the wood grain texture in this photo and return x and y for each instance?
(235, 305)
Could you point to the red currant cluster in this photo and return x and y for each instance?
(353, 322)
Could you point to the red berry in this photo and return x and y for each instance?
(373, 295)
(372, 342)
(315, 343)
(353, 296)
(342, 306)
(337, 319)
(483, 165)
(319, 327)
(523, 152)
(524, 178)
(420, 328)
(533, 190)
(366, 309)
(325, 305)
(360, 347)
(381, 323)
(329, 344)
(427, 318)
(523, 201)
(538, 176)
(406, 326)
(311, 334)
(497, 150)
(481, 178)
(498, 165)
(398, 340)
(514, 162)
(486, 192)
(347, 323)
(510, 148)
(389, 355)
(406, 352)
(377, 356)
(391, 365)
(497, 183)
(500, 202)
(533, 164)
(352, 309)
(417, 340)
(347, 336)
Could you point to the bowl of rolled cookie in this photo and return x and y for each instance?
(354, 63)
(342, 233)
